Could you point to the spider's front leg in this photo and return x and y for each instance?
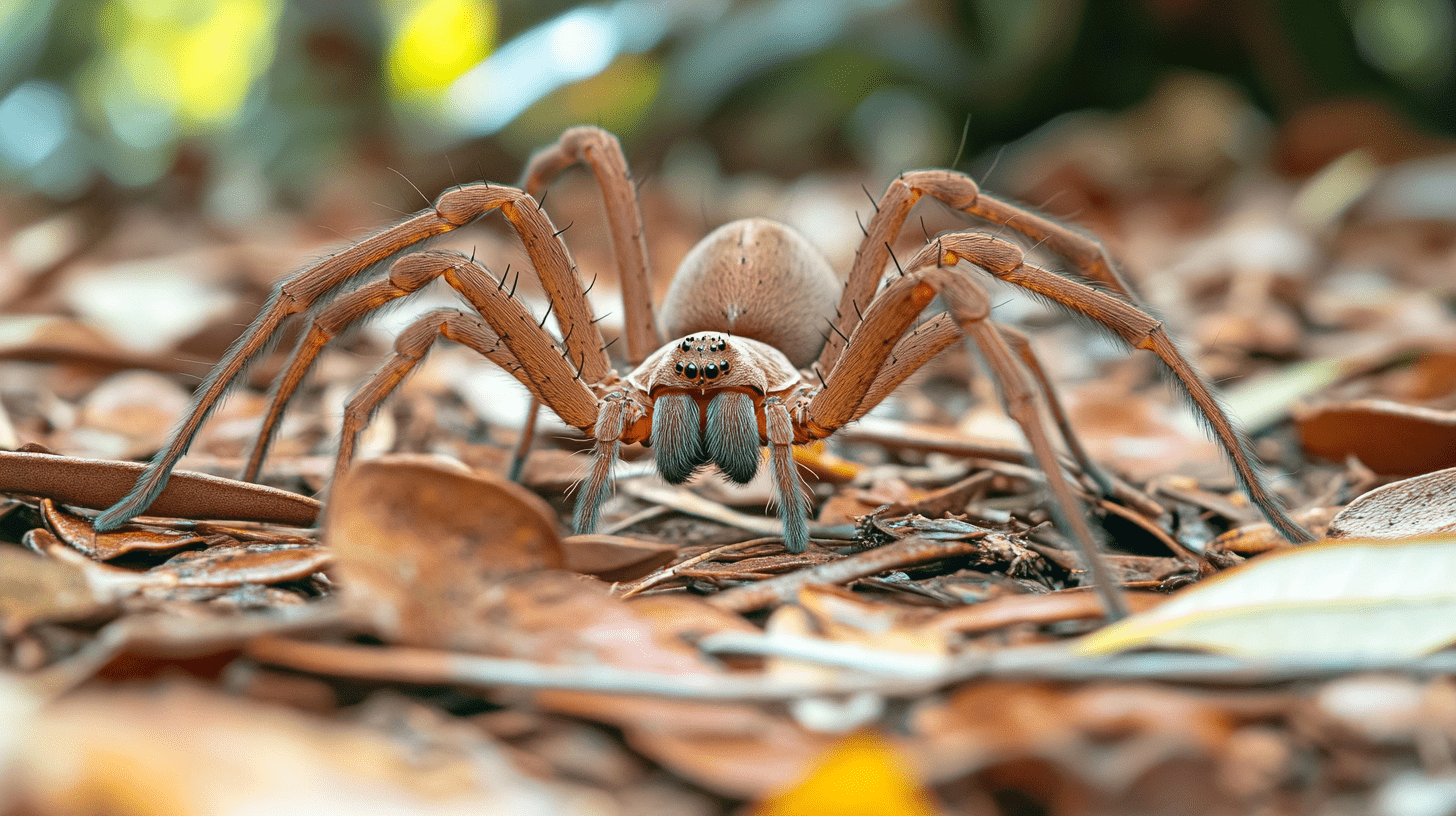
(880, 333)
(454, 208)
(617, 415)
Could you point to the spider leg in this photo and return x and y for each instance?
(960, 193)
(871, 343)
(408, 275)
(935, 335)
(454, 208)
(616, 415)
(410, 349)
(793, 502)
(1134, 327)
(1021, 344)
(602, 153)
(1119, 314)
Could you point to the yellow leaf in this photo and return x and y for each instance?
(862, 776)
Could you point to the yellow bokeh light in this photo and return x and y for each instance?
(436, 41)
(196, 59)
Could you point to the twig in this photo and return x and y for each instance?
(903, 553)
(666, 573)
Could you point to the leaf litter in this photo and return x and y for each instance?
(426, 639)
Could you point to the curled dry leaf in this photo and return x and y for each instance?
(99, 484)
(1387, 437)
(419, 541)
(615, 558)
(1363, 598)
(1420, 506)
(248, 564)
(79, 533)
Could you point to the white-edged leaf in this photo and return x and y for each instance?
(1368, 598)
(1419, 506)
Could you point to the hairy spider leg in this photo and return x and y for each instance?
(1113, 309)
(454, 208)
(874, 338)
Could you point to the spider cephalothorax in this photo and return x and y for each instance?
(772, 350)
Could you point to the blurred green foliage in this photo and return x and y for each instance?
(256, 96)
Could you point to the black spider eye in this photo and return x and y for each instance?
(691, 371)
(723, 366)
(711, 371)
(686, 346)
(678, 367)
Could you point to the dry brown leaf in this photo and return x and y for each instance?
(742, 751)
(615, 558)
(1420, 506)
(79, 533)
(1387, 437)
(99, 484)
(128, 415)
(247, 564)
(42, 589)
(188, 751)
(418, 541)
(1260, 536)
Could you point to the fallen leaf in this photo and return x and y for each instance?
(79, 533)
(1411, 508)
(742, 751)
(42, 589)
(128, 415)
(248, 564)
(183, 750)
(417, 541)
(863, 774)
(98, 484)
(1387, 437)
(1366, 598)
(1038, 610)
(615, 558)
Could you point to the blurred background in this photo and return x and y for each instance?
(242, 105)
(1278, 178)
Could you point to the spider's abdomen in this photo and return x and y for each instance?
(755, 278)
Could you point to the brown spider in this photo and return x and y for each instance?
(750, 366)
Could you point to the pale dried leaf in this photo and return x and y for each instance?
(1363, 598)
(1420, 506)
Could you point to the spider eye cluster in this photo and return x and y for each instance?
(702, 345)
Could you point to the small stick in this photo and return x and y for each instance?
(903, 553)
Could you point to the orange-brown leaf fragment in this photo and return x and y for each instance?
(418, 541)
(615, 558)
(100, 483)
(233, 566)
(79, 533)
(42, 589)
(1387, 437)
